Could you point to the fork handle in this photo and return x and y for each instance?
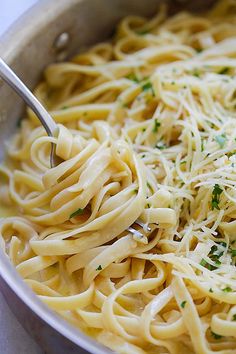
(11, 78)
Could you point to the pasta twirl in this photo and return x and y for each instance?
(146, 129)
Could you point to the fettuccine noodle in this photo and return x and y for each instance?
(146, 130)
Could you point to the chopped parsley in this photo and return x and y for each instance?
(221, 140)
(204, 263)
(183, 303)
(161, 146)
(147, 86)
(215, 335)
(141, 32)
(216, 197)
(132, 77)
(217, 262)
(214, 255)
(222, 243)
(156, 126)
(210, 290)
(77, 212)
(231, 153)
(224, 71)
(227, 289)
(136, 191)
(234, 317)
(202, 145)
(233, 253)
(196, 73)
(64, 107)
(99, 267)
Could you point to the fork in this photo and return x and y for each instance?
(139, 236)
(8, 75)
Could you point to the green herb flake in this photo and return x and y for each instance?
(64, 107)
(227, 289)
(215, 335)
(143, 130)
(203, 262)
(217, 262)
(136, 191)
(216, 197)
(161, 146)
(234, 317)
(143, 156)
(202, 145)
(196, 73)
(149, 185)
(133, 77)
(77, 212)
(222, 243)
(214, 254)
(233, 253)
(99, 267)
(231, 153)
(224, 71)
(221, 140)
(156, 126)
(182, 162)
(141, 32)
(210, 290)
(209, 266)
(183, 303)
(147, 86)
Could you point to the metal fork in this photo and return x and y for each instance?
(137, 235)
(49, 125)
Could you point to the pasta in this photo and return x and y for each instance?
(146, 130)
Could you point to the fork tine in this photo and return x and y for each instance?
(138, 236)
(135, 232)
(144, 226)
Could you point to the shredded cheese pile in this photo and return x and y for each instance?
(146, 130)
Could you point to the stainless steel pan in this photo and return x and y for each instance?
(51, 31)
